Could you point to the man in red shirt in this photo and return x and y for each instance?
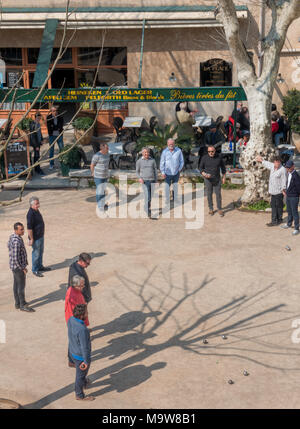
(74, 297)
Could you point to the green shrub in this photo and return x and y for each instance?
(291, 108)
(25, 124)
(83, 123)
(72, 158)
(259, 205)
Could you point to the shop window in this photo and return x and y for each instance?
(11, 56)
(110, 56)
(15, 79)
(215, 72)
(33, 54)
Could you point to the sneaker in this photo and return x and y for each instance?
(295, 232)
(37, 274)
(51, 167)
(28, 309)
(285, 226)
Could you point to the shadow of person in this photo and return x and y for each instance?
(127, 378)
(121, 345)
(57, 295)
(67, 262)
(126, 322)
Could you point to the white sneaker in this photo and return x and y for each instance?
(51, 167)
(285, 226)
(295, 232)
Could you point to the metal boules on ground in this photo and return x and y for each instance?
(205, 341)
(224, 337)
(245, 373)
(230, 382)
(288, 248)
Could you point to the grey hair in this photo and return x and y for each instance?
(32, 200)
(76, 280)
(146, 148)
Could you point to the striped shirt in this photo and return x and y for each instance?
(277, 180)
(101, 163)
(17, 253)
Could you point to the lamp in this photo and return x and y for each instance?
(172, 78)
(280, 78)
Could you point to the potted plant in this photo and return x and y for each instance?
(291, 108)
(69, 158)
(83, 126)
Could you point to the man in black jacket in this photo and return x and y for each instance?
(55, 124)
(214, 137)
(36, 140)
(292, 197)
(78, 268)
(210, 167)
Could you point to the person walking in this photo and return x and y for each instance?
(18, 263)
(55, 126)
(36, 140)
(210, 167)
(80, 350)
(79, 268)
(146, 172)
(292, 197)
(36, 232)
(99, 169)
(277, 184)
(171, 164)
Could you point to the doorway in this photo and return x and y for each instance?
(64, 78)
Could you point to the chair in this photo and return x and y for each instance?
(152, 123)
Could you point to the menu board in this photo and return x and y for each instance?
(16, 157)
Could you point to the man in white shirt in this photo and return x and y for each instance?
(277, 185)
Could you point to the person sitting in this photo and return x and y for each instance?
(186, 120)
(230, 128)
(214, 138)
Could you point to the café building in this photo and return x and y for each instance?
(166, 44)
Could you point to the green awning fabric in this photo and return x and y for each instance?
(45, 53)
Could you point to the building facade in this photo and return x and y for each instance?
(183, 46)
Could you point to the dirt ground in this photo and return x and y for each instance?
(158, 291)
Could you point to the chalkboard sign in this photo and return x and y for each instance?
(13, 78)
(16, 157)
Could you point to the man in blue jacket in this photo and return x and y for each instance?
(292, 197)
(80, 350)
(171, 163)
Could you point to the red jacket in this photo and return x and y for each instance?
(275, 127)
(73, 298)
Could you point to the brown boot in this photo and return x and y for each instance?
(211, 212)
(71, 365)
(86, 398)
(221, 213)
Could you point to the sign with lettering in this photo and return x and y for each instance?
(79, 95)
(16, 158)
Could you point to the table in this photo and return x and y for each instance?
(134, 123)
(225, 148)
(202, 121)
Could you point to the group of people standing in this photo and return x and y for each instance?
(77, 297)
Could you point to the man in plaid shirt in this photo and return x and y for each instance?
(18, 263)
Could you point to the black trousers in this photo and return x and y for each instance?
(277, 207)
(19, 286)
(36, 157)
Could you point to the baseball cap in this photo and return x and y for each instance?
(289, 164)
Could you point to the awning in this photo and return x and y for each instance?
(45, 53)
(117, 17)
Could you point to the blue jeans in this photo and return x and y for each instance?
(147, 195)
(292, 209)
(169, 180)
(277, 138)
(100, 191)
(37, 254)
(80, 380)
(60, 143)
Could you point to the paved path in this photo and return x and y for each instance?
(158, 291)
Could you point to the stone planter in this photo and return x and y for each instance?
(87, 138)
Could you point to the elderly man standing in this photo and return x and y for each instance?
(292, 197)
(18, 263)
(171, 164)
(78, 268)
(146, 171)
(210, 167)
(277, 185)
(36, 232)
(99, 169)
